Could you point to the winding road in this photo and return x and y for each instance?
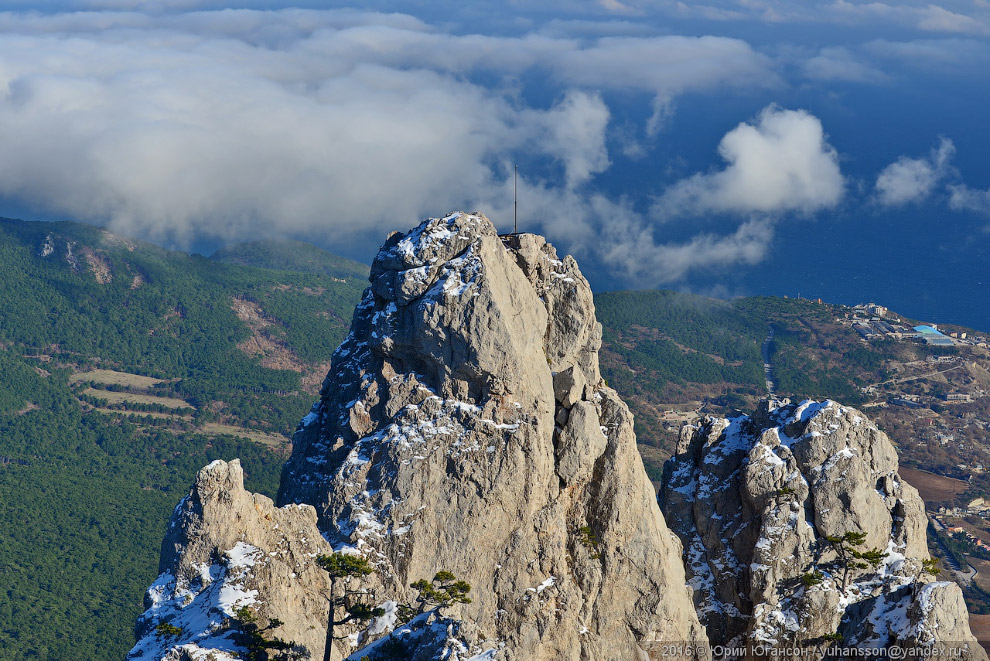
(767, 367)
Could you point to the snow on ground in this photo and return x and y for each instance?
(436, 633)
(200, 608)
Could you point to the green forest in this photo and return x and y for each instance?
(86, 500)
(88, 485)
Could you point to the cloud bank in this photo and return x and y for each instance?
(329, 124)
(944, 16)
(176, 120)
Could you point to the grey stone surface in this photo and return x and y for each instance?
(755, 500)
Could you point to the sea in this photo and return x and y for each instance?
(923, 260)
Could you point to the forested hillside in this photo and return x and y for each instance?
(285, 255)
(125, 368)
(674, 355)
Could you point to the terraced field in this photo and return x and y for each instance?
(933, 488)
(140, 395)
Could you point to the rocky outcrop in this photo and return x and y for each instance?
(228, 549)
(464, 426)
(761, 504)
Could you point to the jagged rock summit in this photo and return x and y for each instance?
(762, 505)
(464, 426)
(227, 549)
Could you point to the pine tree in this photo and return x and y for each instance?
(851, 558)
(346, 566)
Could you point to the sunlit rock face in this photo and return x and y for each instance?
(760, 503)
(464, 426)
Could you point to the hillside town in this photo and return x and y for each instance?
(876, 322)
(951, 351)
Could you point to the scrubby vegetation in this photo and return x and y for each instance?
(665, 350)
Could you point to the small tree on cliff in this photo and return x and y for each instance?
(850, 557)
(346, 566)
(929, 567)
(444, 590)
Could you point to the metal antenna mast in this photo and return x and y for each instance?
(515, 201)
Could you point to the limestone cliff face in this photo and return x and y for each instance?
(464, 426)
(754, 500)
(226, 549)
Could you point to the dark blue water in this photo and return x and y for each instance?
(924, 261)
(927, 265)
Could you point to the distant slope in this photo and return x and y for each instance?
(102, 297)
(93, 461)
(675, 356)
(286, 255)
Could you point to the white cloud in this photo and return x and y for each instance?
(631, 246)
(175, 126)
(574, 131)
(779, 164)
(839, 63)
(964, 198)
(913, 179)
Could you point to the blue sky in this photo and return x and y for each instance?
(834, 149)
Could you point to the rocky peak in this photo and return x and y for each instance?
(464, 426)
(226, 549)
(760, 502)
(458, 312)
